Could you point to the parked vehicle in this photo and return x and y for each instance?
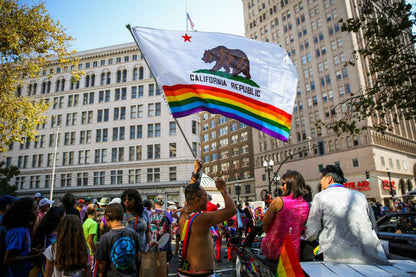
(399, 230)
(251, 263)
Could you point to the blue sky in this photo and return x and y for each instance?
(100, 23)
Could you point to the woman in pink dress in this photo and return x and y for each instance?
(286, 214)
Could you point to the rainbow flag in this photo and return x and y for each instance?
(289, 265)
(252, 81)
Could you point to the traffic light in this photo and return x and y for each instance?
(367, 174)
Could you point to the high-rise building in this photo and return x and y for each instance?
(310, 33)
(115, 131)
(227, 151)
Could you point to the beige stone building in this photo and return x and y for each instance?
(310, 33)
(115, 131)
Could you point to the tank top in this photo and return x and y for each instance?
(293, 215)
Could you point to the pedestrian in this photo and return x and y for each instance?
(176, 215)
(197, 250)
(136, 217)
(5, 203)
(286, 214)
(38, 196)
(80, 205)
(248, 219)
(240, 220)
(68, 201)
(118, 253)
(90, 228)
(18, 245)
(43, 208)
(343, 221)
(160, 224)
(69, 255)
(45, 235)
(103, 203)
(83, 211)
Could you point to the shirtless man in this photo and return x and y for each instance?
(199, 259)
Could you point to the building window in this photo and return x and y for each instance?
(99, 178)
(172, 150)
(116, 177)
(355, 162)
(135, 176)
(172, 173)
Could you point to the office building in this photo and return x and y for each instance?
(310, 33)
(113, 131)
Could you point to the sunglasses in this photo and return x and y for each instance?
(128, 199)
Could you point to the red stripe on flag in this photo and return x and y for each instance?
(289, 262)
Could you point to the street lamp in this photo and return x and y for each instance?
(268, 167)
(237, 191)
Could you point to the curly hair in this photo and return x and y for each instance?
(48, 224)
(20, 214)
(68, 201)
(192, 191)
(138, 203)
(295, 184)
(70, 246)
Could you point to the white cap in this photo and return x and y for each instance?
(115, 200)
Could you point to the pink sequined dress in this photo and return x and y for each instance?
(293, 215)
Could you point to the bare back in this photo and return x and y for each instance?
(200, 252)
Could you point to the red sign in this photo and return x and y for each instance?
(360, 185)
(386, 185)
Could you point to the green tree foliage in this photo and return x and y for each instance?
(29, 39)
(387, 45)
(6, 174)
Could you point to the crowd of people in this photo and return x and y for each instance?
(108, 238)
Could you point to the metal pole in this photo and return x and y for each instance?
(54, 164)
(391, 187)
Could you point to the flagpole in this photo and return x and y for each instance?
(128, 26)
(186, 14)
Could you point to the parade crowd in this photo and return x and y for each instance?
(78, 237)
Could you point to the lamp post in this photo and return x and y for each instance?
(268, 167)
(237, 191)
(391, 187)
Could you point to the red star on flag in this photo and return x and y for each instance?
(186, 38)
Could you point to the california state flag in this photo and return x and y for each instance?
(248, 80)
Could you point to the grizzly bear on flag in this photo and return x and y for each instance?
(228, 58)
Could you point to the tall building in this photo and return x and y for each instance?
(227, 151)
(115, 131)
(310, 33)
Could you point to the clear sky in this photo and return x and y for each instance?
(100, 23)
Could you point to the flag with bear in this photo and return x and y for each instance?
(252, 81)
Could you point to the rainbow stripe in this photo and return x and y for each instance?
(288, 265)
(184, 100)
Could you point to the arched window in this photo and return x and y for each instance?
(118, 76)
(402, 186)
(92, 80)
(102, 79)
(141, 73)
(87, 81)
(125, 75)
(108, 78)
(135, 74)
(409, 185)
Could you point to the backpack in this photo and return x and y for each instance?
(159, 224)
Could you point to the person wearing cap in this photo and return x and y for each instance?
(43, 208)
(38, 196)
(90, 228)
(80, 204)
(343, 221)
(160, 224)
(103, 203)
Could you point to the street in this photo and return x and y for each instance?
(224, 268)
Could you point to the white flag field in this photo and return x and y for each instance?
(252, 81)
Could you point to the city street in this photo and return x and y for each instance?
(224, 268)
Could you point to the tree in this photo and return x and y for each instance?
(387, 46)
(29, 39)
(6, 174)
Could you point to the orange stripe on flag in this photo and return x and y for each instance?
(289, 265)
